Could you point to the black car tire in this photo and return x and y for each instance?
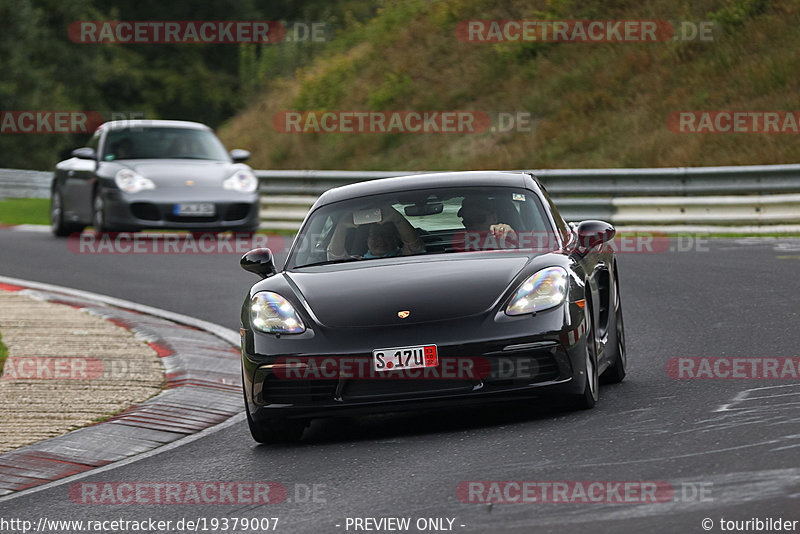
(616, 373)
(57, 224)
(277, 430)
(589, 397)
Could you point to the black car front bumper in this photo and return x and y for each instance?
(493, 359)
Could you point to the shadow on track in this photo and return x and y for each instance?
(433, 421)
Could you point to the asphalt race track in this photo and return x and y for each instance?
(727, 452)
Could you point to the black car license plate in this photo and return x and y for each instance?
(405, 358)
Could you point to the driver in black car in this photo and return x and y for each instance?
(479, 215)
(483, 229)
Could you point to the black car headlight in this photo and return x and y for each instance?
(543, 290)
(273, 314)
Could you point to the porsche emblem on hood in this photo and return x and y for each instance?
(190, 182)
(403, 314)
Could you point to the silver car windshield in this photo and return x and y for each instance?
(163, 143)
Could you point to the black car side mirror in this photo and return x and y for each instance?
(238, 155)
(259, 261)
(84, 153)
(592, 233)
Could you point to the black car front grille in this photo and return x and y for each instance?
(294, 391)
(236, 212)
(385, 387)
(145, 211)
(523, 367)
(495, 370)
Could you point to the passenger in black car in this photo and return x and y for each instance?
(392, 236)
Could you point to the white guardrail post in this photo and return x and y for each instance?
(737, 198)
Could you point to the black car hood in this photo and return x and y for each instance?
(175, 172)
(370, 294)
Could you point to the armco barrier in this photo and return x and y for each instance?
(15, 183)
(708, 210)
(753, 196)
(667, 181)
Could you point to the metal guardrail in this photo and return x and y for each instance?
(15, 183)
(753, 195)
(667, 181)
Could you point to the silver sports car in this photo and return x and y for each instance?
(155, 174)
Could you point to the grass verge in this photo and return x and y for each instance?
(25, 211)
(3, 354)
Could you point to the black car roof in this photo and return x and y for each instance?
(417, 182)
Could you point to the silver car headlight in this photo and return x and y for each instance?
(132, 182)
(543, 290)
(242, 180)
(273, 314)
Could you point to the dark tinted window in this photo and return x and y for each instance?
(439, 217)
(94, 142)
(160, 142)
(560, 224)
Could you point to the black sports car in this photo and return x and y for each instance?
(428, 290)
(138, 174)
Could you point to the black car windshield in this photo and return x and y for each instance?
(163, 143)
(431, 221)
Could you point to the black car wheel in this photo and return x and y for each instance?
(616, 373)
(278, 431)
(57, 224)
(275, 431)
(588, 398)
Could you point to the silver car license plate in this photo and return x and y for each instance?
(195, 209)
